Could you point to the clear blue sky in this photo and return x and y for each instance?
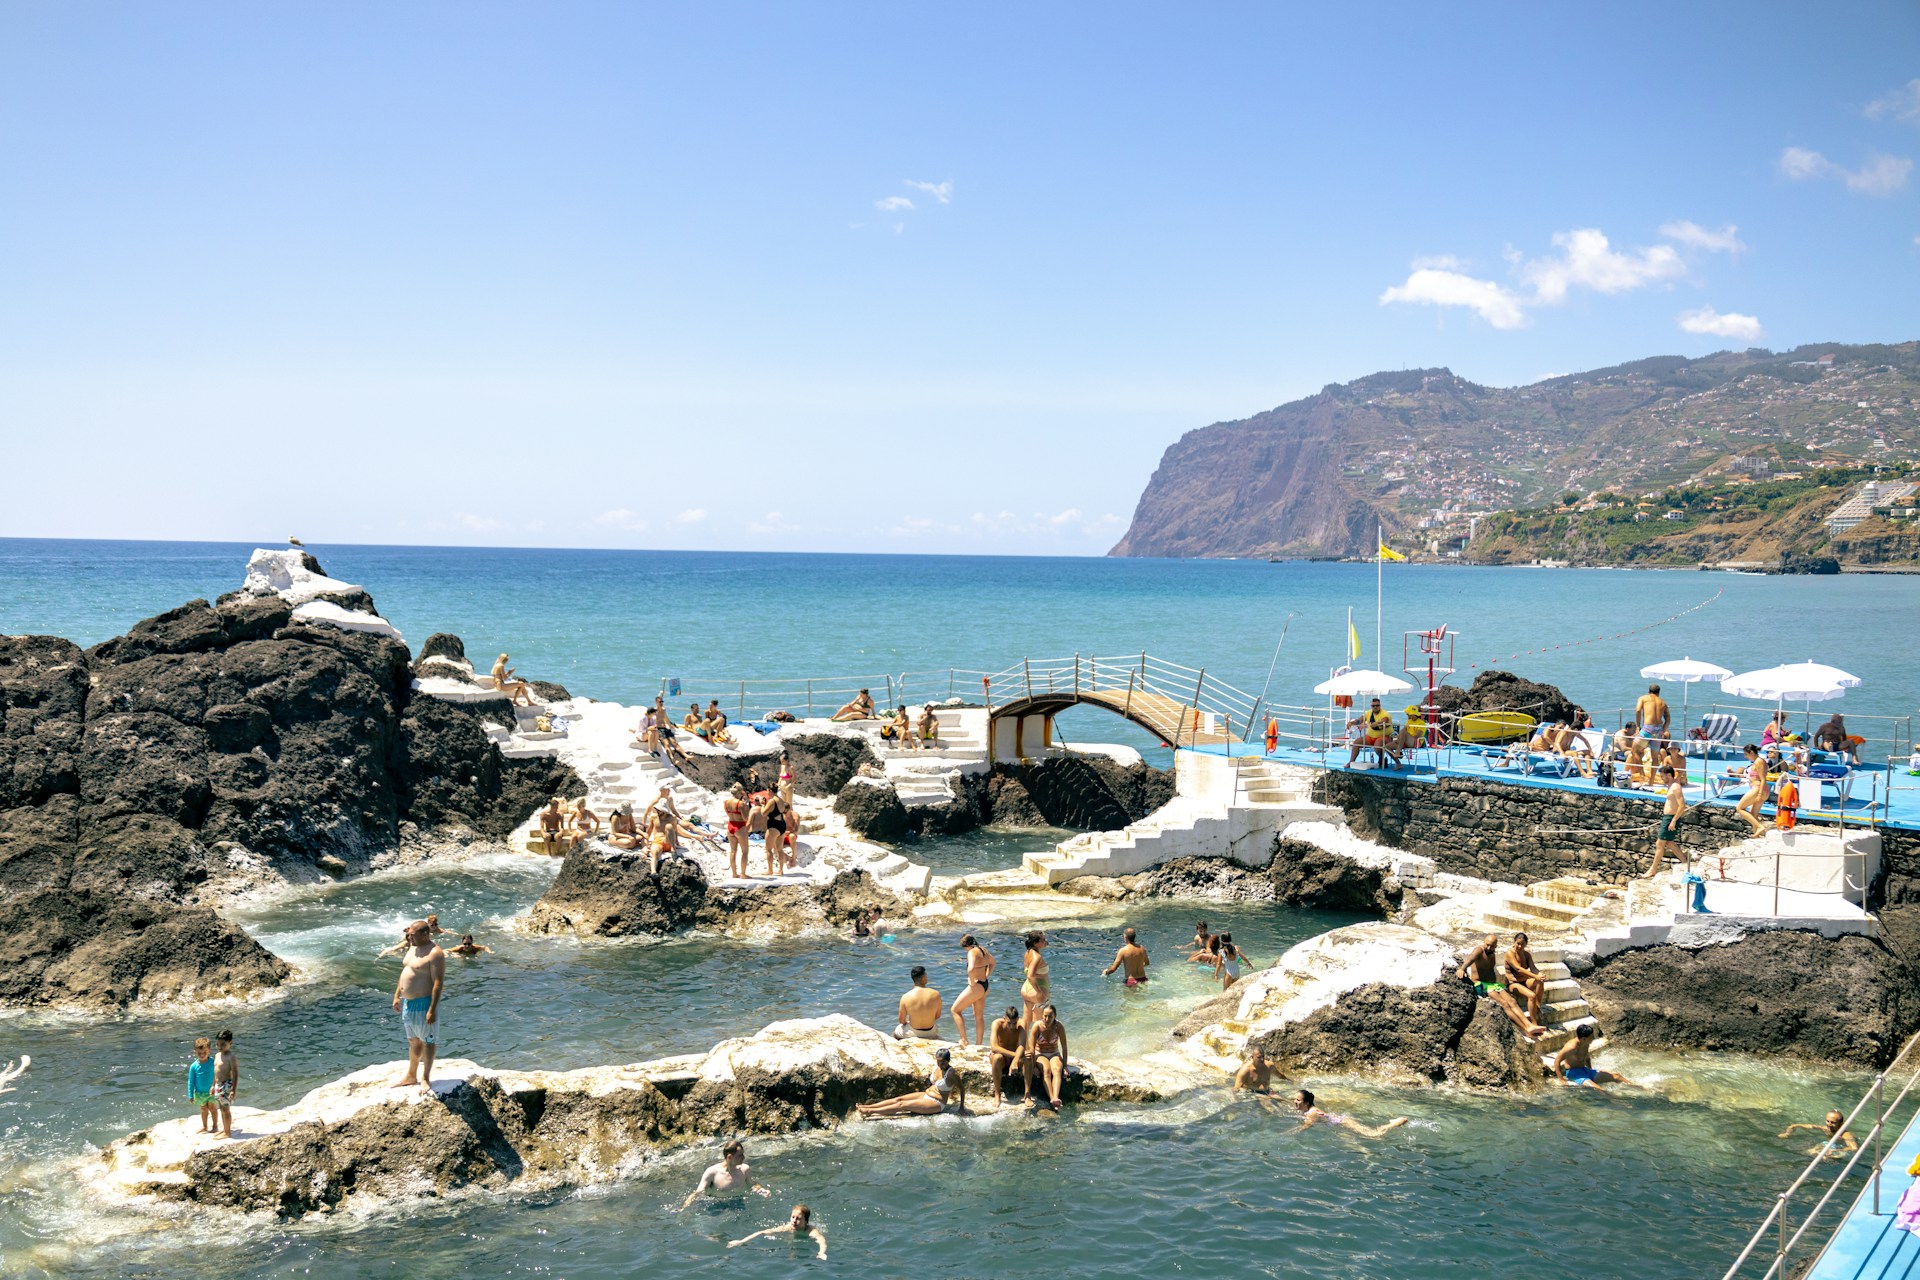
(624, 275)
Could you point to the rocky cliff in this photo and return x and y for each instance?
(269, 735)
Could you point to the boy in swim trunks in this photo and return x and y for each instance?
(1666, 840)
(226, 1080)
(1486, 983)
(1574, 1063)
(1133, 958)
(979, 974)
(200, 1083)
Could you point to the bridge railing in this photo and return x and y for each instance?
(1776, 1229)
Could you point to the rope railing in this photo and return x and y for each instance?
(1905, 1067)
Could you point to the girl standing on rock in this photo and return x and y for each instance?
(1037, 987)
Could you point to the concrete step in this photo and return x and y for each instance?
(1500, 921)
(1542, 909)
(1550, 969)
(1570, 892)
(1560, 988)
(1562, 1013)
(990, 882)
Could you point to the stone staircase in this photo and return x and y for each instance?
(925, 775)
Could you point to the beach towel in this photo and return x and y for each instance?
(1907, 1216)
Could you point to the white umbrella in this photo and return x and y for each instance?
(1807, 682)
(1362, 684)
(1683, 672)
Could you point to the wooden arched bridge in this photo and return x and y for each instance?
(1180, 705)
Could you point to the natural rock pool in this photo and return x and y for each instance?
(1203, 1185)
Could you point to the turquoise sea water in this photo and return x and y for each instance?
(1665, 1184)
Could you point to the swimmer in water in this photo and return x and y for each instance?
(1311, 1115)
(1132, 957)
(468, 947)
(1256, 1073)
(979, 974)
(732, 1177)
(1574, 1063)
(799, 1225)
(1839, 1140)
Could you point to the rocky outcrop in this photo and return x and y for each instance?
(822, 763)
(1851, 999)
(358, 1142)
(1505, 691)
(872, 809)
(1437, 1034)
(251, 735)
(1081, 793)
(1300, 875)
(610, 893)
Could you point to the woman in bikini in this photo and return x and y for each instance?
(1209, 953)
(945, 1094)
(785, 787)
(735, 806)
(1226, 965)
(1749, 806)
(1035, 988)
(1047, 1051)
(1311, 1115)
(622, 834)
(773, 820)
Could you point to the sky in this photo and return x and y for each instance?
(886, 278)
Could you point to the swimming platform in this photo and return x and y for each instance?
(1878, 797)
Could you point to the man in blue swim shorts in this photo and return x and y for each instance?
(1574, 1063)
(416, 998)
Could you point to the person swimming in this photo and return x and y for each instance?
(1311, 1115)
(1839, 1139)
(799, 1224)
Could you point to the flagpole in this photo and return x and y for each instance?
(1379, 587)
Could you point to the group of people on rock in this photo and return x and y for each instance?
(768, 812)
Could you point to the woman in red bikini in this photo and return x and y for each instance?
(736, 809)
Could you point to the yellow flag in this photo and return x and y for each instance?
(1353, 642)
(1388, 553)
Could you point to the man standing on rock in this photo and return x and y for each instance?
(416, 998)
(919, 1010)
(1486, 982)
(979, 973)
(1133, 958)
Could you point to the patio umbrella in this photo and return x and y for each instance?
(1362, 684)
(1807, 682)
(1684, 672)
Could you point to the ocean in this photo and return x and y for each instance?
(1662, 1184)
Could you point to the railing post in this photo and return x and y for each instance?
(1195, 735)
(1780, 1249)
(950, 693)
(1880, 1119)
(809, 699)
(890, 701)
(1128, 711)
(1093, 673)
(1776, 877)
(1076, 675)
(1026, 665)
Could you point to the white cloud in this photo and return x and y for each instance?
(1881, 175)
(481, 524)
(1497, 305)
(624, 518)
(1586, 260)
(772, 522)
(943, 191)
(893, 204)
(1439, 262)
(692, 515)
(1725, 240)
(1902, 104)
(1068, 516)
(1705, 320)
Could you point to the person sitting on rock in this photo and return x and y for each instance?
(656, 837)
(518, 690)
(919, 1009)
(1523, 977)
(553, 827)
(928, 725)
(584, 822)
(621, 832)
(1047, 1054)
(945, 1094)
(716, 724)
(1311, 1115)
(861, 708)
(1486, 983)
(695, 723)
(1839, 1140)
(1573, 1065)
(1005, 1049)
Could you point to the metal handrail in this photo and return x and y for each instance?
(1777, 1217)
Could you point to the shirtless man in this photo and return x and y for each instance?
(1666, 839)
(468, 947)
(1574, 1063)
(1132, 957)
(553, 826)
(731, 1177)
(979, 973)
(1522, 976)
(1486, 982)
(1256, 1073)
(1651, 711)
(928, 726)
(416, 998)
(1838, 1141)
(920, 1010)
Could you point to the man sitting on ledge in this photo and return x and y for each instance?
(1486, 982)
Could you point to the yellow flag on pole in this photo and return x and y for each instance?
(1388, 553)
(1353, 642)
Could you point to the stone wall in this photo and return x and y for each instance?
(1500, 831)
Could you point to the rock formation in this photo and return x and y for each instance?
(264, 735)
(1300, 875)
(358, 1141)
(1505, 691)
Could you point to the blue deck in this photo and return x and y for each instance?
(1867, 1245)
(1898, 794)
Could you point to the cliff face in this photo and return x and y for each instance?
(1270, 485)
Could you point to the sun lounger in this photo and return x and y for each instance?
(1721, 729)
